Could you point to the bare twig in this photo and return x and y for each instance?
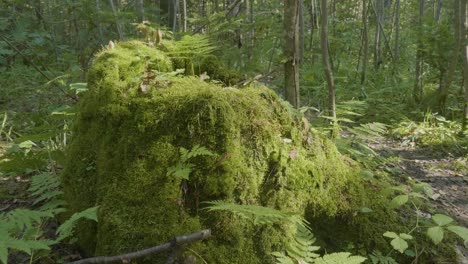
(176, 242)
(37, 68)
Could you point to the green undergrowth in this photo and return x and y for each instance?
(134, 126)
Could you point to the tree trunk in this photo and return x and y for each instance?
(291, 51)
(379, 10)
(301, 31)
(175, 11)
(326, 60)
(465, 66)
(418, 85)
(184, 14)
(141, 10)
(365, 42)
(438, 11)
(445, 86)
(397, 30)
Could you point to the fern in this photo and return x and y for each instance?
(66, 229)
(184, 167)
(190, 47)
(259, 215)
(300, 248)
(340, 258)
(196, 151)
(20, 219)
(16, 228)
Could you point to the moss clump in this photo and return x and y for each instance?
(126, 139)
(217, 70)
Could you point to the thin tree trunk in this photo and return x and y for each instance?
(379, 10)
(326, 61)
(141, 10)
(116, 20)
(444, 88)
(301, 31)
(397, 30)
(313, 23)
(365, 42)
(418, 85)
(176, 11)
(184, 13)
(291, 50)
(438, 11)
(465, 67)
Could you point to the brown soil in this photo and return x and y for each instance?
(446, 173)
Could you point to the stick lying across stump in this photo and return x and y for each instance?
(125, 258)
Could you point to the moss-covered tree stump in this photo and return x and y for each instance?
(130, 128)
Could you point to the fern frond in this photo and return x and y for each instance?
(21, 223)
(340, 258)
(257, 214)
(43, 183)
(26, 246)
(19, 219)
(196, 151)
(190, 47)
(66, 229)
(302, 248)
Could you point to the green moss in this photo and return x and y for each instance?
(125, 139)
(217, 70)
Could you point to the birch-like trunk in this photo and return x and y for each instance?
(326, 60)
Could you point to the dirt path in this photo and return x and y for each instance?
(447, 174)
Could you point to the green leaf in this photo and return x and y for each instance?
(423, 188)
(28, 144)
(417, 195)
(436, 234)
(441, 220)
(406, 236)
(399, 244)
(460, 231)
(390, 234)
(399, 200)
(401, 188)
(79, 87)
(410, 253)
(3, 252)
(366, 210)
(366, 175)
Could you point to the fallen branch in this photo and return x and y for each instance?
(125, 258)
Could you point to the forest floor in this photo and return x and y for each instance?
(446, 173)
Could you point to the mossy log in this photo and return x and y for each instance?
(129, 129)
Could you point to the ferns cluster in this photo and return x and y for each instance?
(22, 229)
(301, 248)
